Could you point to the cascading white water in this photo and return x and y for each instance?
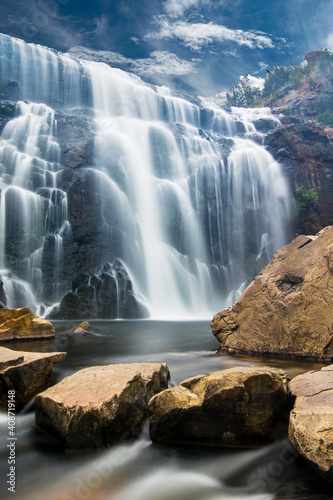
(30, 201)
(188, 202)
(42, 75)
(168, 171)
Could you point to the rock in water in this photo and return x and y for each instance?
(234, 407)
(288, 308)
(22, 323)
(83, 330)
(27, 373)
(99, 406)
(311, 420)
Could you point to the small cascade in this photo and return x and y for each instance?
(177, 199)
(18, 292)
(43, 75)
(33, 208)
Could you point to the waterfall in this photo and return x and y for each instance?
(178, 194)
(32, 207)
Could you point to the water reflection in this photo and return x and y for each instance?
(139, 470)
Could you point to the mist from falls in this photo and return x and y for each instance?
(191, 206)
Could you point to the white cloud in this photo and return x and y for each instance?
(135, 40)
(329, 42)
(263, 66)
(176, 8)
(198, 35)
(165, 63)
(101, 26)
(160, 62)
(255, 82)
(105, 56)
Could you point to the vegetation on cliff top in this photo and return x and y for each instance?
(311, 81)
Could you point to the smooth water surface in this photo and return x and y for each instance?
(139, 470)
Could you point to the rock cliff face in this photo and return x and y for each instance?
(105, 293)
(288, 308)
(305, 151)
(93, 236)
(302, 97)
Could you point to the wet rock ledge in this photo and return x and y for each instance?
(99, 406)
(311, 420)
(237, 407)
(23, 324)
(288, 308)
(27, 373)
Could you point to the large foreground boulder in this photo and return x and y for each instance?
(23, 324)
(99, 406)
(311, 420)
(288, 308)
(233, 407)
(27, 373)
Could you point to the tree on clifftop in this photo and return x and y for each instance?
(246, 93)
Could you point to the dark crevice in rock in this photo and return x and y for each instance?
(304, 244)
(289, 283)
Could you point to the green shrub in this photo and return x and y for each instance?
(5, 110)
(244, 94)
(325, 118)
(306, 201)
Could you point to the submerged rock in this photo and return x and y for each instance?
(27, 373)
(83, 330)
(288, 308)
(23, 324)
(99, 406)
(311, 420)
(234, 407)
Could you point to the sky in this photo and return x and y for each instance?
(200, 47)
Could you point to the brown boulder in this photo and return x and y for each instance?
(233, 407)
(22, 323)
(99, 406)
(27, 373)
(83, 330)
(288, 308)
(311, 420)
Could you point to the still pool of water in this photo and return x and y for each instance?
(139, 470)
